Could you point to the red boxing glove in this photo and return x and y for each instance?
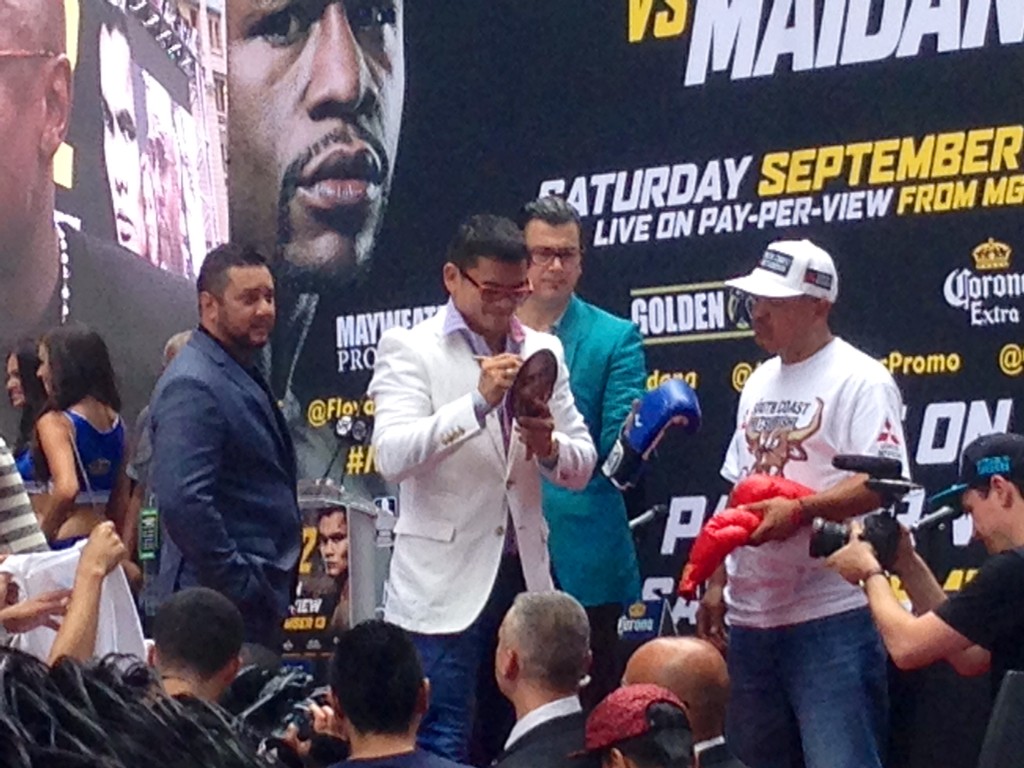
(732, 527)
(763, 487)
(725, 531)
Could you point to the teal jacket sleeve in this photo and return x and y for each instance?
(627, 371)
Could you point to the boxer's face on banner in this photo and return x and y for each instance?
(120, 138)
(22, 122)
(17, 149)
(332, 531)
(316, 92)
(555, 259)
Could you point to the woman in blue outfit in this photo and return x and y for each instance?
(26, 393)
(80, 436)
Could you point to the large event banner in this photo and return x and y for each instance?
(688, 134)
(136, 141)
(133, 217)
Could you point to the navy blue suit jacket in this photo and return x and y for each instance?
(224, 477)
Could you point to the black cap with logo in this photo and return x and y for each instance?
(989, 455)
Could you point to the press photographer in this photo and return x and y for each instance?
(980, 627)
(378, 696)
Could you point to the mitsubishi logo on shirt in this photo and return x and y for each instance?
(888, 434)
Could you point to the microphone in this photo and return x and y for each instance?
(876, 466)
(942, 515)
(652, 514)
(891, 487)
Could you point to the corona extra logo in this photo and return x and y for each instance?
(990, 294)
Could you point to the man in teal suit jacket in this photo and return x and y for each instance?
(592, 551)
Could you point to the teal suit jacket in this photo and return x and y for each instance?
(592, 550)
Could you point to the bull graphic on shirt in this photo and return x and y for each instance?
(773, 437)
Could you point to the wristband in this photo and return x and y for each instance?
(877, 572)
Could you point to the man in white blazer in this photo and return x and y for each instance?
(470, 533)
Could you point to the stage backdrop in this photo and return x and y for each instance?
(136, 169)
(688, 134)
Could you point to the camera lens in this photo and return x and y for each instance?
(827, 537)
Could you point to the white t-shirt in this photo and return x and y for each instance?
(791, 421)
(118, 630)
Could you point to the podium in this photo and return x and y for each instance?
(346, 551)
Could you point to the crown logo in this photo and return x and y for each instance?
(991, 255)
(637, 610)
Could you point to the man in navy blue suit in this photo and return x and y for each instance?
(224, 465)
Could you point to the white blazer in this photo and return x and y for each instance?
(456, 485)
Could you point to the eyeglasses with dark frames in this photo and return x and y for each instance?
(491, 294)
(543, 256)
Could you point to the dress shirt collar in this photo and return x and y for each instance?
(454, 322)
(569, 705)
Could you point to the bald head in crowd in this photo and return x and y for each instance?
(35, 107)
(694, 671)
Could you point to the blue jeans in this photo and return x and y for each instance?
(455, 663)
(812, 694)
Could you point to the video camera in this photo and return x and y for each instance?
(881, 530)
(267, 702)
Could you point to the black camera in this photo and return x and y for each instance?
(881, 529)
(301, 715)
(266, 702)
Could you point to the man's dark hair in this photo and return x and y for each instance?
(553, 210)
(487, 236)
(108, 714)
(377, 676)
(668, 743)
(213, 275)
(198, 630)
(80, 366)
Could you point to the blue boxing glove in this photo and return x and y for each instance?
(674, 402)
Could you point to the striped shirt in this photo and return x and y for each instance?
(19, 528)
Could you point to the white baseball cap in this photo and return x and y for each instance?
(790, 268)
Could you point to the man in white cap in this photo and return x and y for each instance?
(807, 667)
